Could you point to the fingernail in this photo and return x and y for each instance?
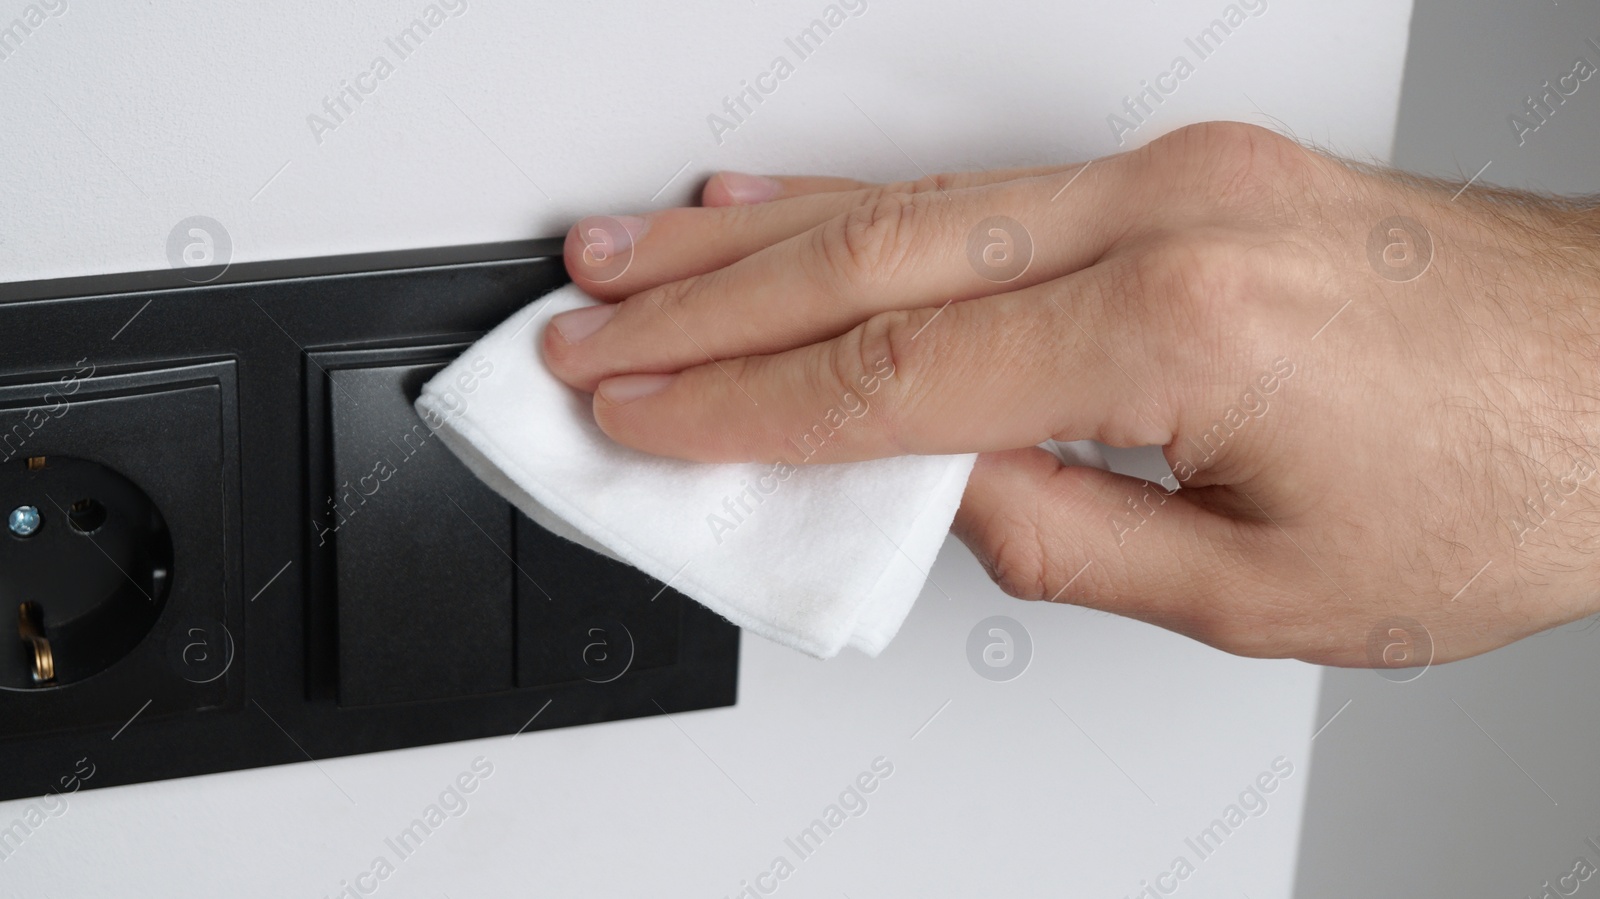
(627, 388)
(745, 189)
(609, 235)
(580, 323)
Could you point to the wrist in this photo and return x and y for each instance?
(1561, 514)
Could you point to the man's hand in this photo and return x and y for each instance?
(1378, 393)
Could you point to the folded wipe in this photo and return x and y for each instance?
(813, 556)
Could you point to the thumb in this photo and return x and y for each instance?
(1046, 531)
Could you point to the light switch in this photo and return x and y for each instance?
(423, 550)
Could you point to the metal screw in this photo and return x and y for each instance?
(24, 521)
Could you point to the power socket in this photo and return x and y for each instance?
(90, 557)
(175, 597)
(132, 479)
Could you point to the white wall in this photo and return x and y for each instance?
(510, 121)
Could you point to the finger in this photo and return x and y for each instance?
(990, 374)
(1044, 531)
(612, 257)
(900, 252)
(741, 189)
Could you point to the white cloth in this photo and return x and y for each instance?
(814, 557)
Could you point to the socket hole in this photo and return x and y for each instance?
(90, 600)
(87, 516)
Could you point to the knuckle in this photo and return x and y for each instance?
(1023, 552)
(1217, 136)
(881, 352)
(867, 246)
(940, 183)
(743, 219)
(1017, 559)
(1016, 565)
(928, 184)
(1228, 162)
(1219, 143)
(671, 298)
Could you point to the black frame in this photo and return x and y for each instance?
(256, 332)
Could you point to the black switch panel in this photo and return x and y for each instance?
(442, 624)
(628, 619)
(228, 541)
